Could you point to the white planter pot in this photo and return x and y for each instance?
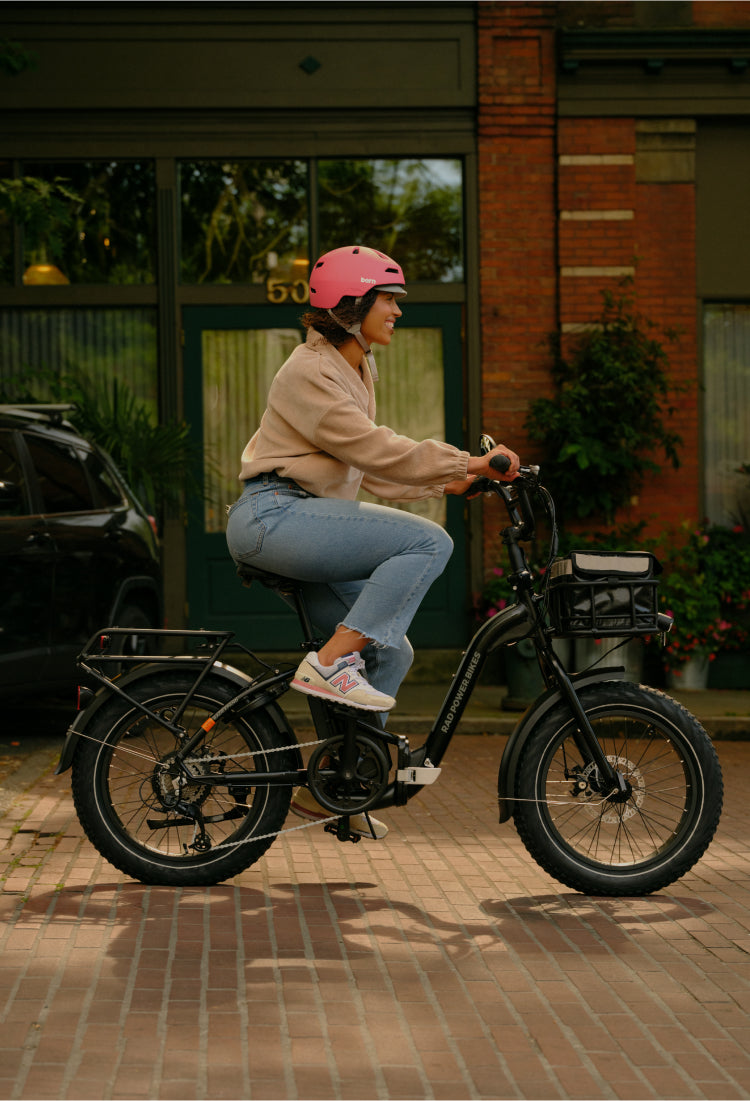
(590, 650)
(691, 677)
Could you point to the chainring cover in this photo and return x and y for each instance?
(348, 777)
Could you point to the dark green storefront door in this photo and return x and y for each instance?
(231, 356)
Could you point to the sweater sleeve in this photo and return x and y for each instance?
(391, 491)
(332, 419)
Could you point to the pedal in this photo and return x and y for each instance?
(341, 831)
(420, 775)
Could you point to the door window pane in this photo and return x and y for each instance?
(238, 368)
(411, 209)
(105, 236)
(242, 220)
(727, 412)
(100, 345)
(411, 398)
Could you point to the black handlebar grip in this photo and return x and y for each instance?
(500, 463)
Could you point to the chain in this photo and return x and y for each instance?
(250, 753)
(199, 760)
(265, 836)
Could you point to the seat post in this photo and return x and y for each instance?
(310, 641)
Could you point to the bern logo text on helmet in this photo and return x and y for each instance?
(362, 279)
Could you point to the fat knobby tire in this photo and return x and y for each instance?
(643, 840)
(127, 800)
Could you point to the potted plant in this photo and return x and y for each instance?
(725, 556)
(520, 667)
(608, 413)
(688, 593)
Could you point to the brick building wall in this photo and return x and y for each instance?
(516, 158)
(622, 214)
(568, 207)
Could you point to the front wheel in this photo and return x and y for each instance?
(141, 813)
(641, 837)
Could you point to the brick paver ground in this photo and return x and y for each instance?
(441, 963)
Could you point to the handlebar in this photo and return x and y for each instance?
(500, 463)
(517, 495)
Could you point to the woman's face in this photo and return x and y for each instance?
(377, 327)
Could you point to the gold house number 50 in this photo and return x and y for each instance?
(279, 290)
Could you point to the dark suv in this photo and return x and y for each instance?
(77, 550)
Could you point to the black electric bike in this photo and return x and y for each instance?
(183, 766)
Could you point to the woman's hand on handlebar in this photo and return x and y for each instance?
(483, 465)
(461, 488)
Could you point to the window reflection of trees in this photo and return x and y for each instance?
(110, 234)
(244, 221)
(240, 220)
(411, 209)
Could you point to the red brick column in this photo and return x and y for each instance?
(518, 279)
(612, 225)
(666, 292)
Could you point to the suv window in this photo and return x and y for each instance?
(62, 480)
(107, 493)
(12, 471)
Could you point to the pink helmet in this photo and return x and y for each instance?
(353, 270)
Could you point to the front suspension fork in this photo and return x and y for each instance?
(584, 738)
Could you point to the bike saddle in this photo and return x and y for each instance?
(248, 574)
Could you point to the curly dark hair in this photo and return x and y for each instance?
(347, 310)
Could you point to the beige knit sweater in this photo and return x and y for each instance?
(318, 429)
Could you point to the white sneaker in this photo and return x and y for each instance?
(343, 682)
(305, 806)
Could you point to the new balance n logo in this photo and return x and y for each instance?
(343, 682)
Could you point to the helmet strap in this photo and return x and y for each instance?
(355, 331)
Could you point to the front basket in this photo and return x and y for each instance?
(601, 594)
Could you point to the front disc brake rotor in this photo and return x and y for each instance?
(618, 809)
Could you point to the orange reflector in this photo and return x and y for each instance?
(209, 724)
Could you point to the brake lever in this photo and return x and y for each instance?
(478, 486)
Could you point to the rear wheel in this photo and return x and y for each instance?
(146, 818)
(634, 840)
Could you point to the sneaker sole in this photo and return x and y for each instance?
(326, 694)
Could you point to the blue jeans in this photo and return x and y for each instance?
(364, 566)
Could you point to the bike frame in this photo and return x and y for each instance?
(524, 619)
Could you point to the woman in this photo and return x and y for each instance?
(366, 567)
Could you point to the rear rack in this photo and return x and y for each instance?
(98, 646)
(211, 645)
